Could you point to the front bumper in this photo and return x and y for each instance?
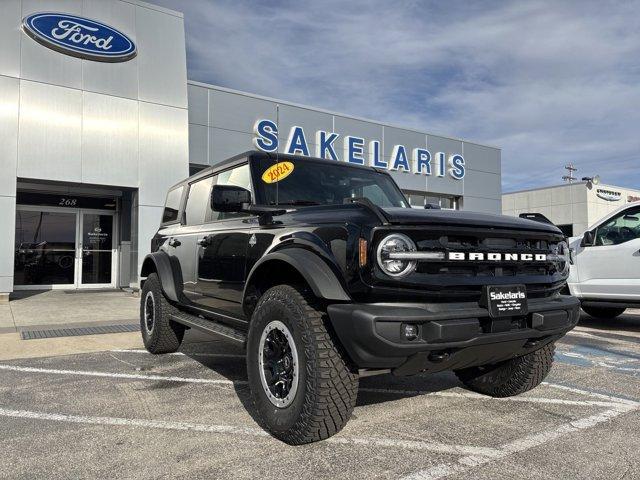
(450, 335)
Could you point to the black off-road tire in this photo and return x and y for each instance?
(165, 335)
(608, 313)
(511, 377)
(327, 384)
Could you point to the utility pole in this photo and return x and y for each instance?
(569, 176)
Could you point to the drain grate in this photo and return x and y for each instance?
(74, 332)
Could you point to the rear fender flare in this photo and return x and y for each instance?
(168, 271)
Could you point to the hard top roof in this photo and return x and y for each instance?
(276, 157)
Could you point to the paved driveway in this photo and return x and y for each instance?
(127, 414)
(54, 308)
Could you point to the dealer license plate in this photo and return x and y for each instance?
(506, 300)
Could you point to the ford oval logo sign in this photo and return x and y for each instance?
(79, 37)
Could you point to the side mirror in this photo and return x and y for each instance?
(587, 239)
(229, 198)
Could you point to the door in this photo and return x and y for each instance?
(222, 250)
(222, 258)
(96, 249)
(610, 269)
(182, 232)
(63, 248)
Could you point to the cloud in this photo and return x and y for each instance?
(548, 82)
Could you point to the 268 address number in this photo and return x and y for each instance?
(68, 202)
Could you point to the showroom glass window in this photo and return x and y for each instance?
(623, 227)
(45, 248)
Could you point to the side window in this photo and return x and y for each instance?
(198, 201)
(172, 205)
(623, 227)
(240, 177)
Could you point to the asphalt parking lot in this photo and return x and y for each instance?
(126, 414)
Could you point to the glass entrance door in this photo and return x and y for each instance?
(96, 248)
(64, 248)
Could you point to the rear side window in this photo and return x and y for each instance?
(198, 201)
(172, 205)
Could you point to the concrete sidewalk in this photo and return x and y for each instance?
(54, 308)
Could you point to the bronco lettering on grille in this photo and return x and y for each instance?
(498, 257)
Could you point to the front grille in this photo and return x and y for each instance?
(462, 279)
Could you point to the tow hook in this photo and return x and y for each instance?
(438, 357)
(531, 343)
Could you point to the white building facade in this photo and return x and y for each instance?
(572, 207)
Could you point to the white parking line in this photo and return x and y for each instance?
(477, 396)
(251, 432)
(182, 354)
(617, 332)
(589, 393)
(534, 440)
(615, 367)
(586, 334)
(612, 401)
(130, 376)
(133, 422)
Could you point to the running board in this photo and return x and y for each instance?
(209, 326)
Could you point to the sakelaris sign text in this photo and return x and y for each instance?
(418, 160)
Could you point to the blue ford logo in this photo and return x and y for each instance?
(79, 37)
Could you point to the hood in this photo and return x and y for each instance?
(414, 216)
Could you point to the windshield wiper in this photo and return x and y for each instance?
(299, 203)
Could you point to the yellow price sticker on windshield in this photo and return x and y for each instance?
(277, 172)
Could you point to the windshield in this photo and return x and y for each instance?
(301, 182)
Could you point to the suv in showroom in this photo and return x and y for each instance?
(324, 273)
(606, 264)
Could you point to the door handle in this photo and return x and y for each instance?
(174, 242)
(204, 241)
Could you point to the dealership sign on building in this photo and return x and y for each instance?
(328, 146)
(609, 195)
(79, 37)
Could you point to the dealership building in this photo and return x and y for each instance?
(98, 119)
(573, 207)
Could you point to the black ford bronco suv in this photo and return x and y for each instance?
(324, 273)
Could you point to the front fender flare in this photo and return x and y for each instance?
(321, 279)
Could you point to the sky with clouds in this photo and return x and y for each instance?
(549, 82)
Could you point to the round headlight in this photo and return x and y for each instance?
(395, 265)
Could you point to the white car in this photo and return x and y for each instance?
(605, 264)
